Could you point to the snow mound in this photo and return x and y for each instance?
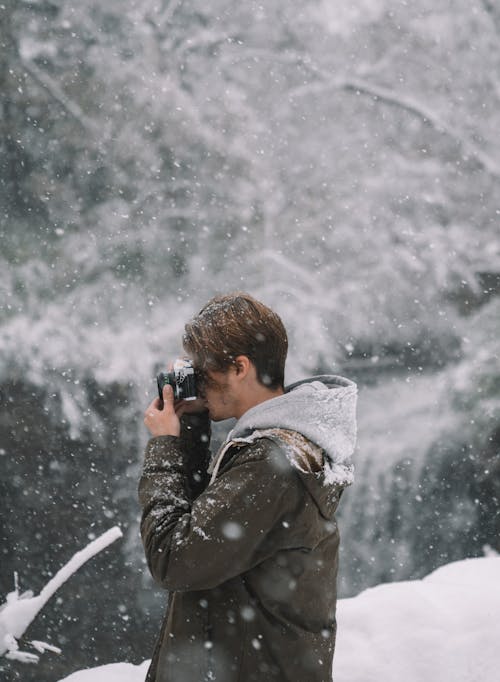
(443, 628)
(114, 672)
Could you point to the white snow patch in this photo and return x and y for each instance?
(443, 628)
(114, 672)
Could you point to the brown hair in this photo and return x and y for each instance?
(238, 324)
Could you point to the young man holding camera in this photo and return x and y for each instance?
(246, 541)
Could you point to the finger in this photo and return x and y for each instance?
(168, 397)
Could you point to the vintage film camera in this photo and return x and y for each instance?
(181, 378)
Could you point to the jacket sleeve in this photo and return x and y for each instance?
(232, 526)
(195, 441)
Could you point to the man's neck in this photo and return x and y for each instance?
(255, 397)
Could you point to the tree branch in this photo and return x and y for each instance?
(168, 11)
(426, 115)
(57, 94)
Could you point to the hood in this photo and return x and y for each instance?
(323, 410)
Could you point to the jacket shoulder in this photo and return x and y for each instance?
(284, 449)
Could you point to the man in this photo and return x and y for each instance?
(246, 543)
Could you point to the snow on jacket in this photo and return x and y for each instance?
(249, 554)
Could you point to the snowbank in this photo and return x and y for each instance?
(444, 628)
(115, 672)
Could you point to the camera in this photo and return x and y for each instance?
(181, 378)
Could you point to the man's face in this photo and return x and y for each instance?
(220, 392)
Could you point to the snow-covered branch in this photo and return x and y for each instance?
(168, 11)
(413, 106)
(20, 610)
(296, 271)
(58, 95)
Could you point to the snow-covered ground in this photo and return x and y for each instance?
(444, 628)
(114, 672)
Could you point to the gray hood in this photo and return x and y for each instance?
(323, 409)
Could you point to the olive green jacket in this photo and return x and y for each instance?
(249, 559)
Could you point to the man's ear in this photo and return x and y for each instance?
(243, 366)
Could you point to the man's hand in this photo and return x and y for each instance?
(164, 422)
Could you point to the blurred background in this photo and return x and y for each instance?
(339, 161)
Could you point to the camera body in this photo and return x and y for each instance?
(181, 378)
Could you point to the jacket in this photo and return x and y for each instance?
(247, 544)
